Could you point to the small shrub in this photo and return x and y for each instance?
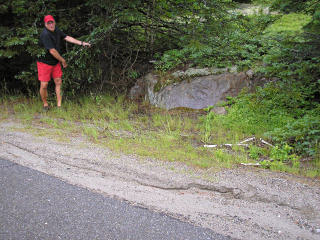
(303, 134)
(208, 127)
(281, 154)
(255, 152)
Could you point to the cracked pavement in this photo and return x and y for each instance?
(244, 203)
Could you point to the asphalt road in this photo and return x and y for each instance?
(34, 205)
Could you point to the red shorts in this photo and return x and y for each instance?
(46, 72)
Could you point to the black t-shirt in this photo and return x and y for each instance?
(50, 40)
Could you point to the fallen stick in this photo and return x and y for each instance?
(242, 143)
(251, 164)
(263, 141)
(248, 140)
(227, 145)
(237, 144)
(210, 146)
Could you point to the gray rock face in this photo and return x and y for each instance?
(196, 93)
(199, 93)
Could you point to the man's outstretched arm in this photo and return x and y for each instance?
(76, 41)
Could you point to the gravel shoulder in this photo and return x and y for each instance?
(244, 203)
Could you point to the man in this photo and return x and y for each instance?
(49, 65)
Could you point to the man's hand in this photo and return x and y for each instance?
(55, 53)
(86, 44)
(64, 63)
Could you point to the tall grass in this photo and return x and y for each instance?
(128, 127)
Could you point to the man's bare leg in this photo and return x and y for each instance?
(44, 93)
(58, 82)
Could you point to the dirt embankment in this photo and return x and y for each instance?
(245, 203)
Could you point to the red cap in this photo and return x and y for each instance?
(48, 18)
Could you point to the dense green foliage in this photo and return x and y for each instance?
(238, 44)
(295, 60)
(125, 36)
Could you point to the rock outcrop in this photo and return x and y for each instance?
(194, 92)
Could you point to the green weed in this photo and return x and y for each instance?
(256, 152)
